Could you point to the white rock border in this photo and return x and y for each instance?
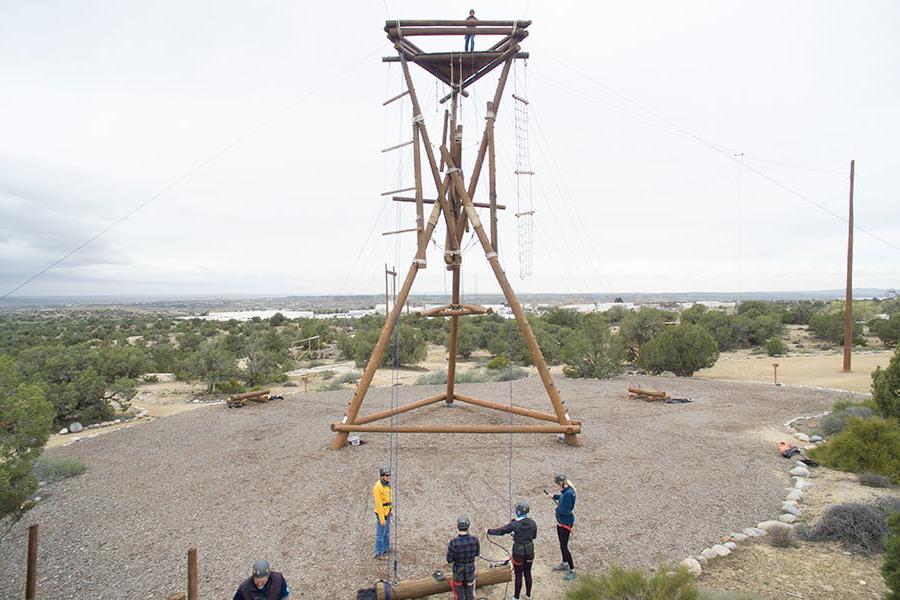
(790, 510)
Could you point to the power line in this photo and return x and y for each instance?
(198, 167)
(723, 150)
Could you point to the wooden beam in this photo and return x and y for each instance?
(396, 231)
(392, 24)
(395, 33)
(419, 57)
(400, 409)
(570, 429)
(397, 97)
(397, 146)
(516, 410)
(429, 586)
(192, 590)
(511, 299)
(420, 211)
(248, 395)
(432, 201)
(31, 568)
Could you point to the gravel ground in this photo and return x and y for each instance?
(655, 482)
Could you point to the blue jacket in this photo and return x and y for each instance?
(565, 504)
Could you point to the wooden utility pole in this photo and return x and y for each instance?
(848, 298)
(192, 589)
(454, 205)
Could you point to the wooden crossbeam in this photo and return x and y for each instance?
(400, 409)
(432, 201)
(571, 429)
(516, 410)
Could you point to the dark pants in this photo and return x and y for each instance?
(522, 569)
(470, 43)
(563, 534)
(463, 590)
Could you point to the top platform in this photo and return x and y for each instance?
(457, 69)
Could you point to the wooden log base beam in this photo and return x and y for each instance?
(248, 395)
(400, 409)
(428, 586)
(571, 429)
(516, 410)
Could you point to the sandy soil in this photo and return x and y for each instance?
(656, 482)
(822, 370)
(813, 570)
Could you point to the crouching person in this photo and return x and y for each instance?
(263, 584)
(461, 553)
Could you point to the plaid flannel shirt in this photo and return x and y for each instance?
(461, 551)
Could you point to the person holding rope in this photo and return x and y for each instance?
(565, 521)
(524, 531)
(461, 553)
(381, 498)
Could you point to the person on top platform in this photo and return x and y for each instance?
(565, 521)
(461, 553)
(524, 531)
(470, 31)
(263, 584)
(381, 498)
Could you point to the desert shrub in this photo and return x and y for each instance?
(726, 595)
(592, 351)
(837, 421)
(232, 386)
(886, 387)
(871, 445)
(433, 378)
(150, 379)
(775, 347)
(858, 527)
(326, 375)
(497, 363)
(348, 377)
(887, 505)
(627, 584)
(471, 376)
(290, 384)
(890, 570)
(54, 469)
(332, 386)
(681, 349)
(782, 537)
(887, 330)
(510, 374)
(874, 480)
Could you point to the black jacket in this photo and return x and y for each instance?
(523, 531)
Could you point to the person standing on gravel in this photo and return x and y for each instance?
(263, 584)
(461, 553)
(565, 520)
(381, 498)
(524, 530)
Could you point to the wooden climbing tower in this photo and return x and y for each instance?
(453, 206)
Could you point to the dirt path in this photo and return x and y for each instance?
(822, 370)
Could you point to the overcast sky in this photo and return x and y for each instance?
(267, 118)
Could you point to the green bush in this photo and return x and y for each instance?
(775, 347)
(592, 351)
(887, 330)
(497, 363)
(681, 349)
(433, 378)
(510, 374)
(837, 421)
(890, 570)
(328, 374)
(348, 377)
(886, 387)
(871, 445)
(54, 469)
(232, 386)
(632, 584)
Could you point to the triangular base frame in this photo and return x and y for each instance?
(454, 202)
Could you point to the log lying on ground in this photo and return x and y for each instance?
(418, 588)
(241, 399)
(648, 395)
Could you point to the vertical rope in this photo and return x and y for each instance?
(394, 439)
(510, 442)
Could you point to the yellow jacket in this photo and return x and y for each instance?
(381, 495)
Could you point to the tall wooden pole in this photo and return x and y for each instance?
(492, 171)
(31, 574)
(420, 211)
(848, 298)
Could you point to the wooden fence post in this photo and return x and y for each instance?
(31, 578)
